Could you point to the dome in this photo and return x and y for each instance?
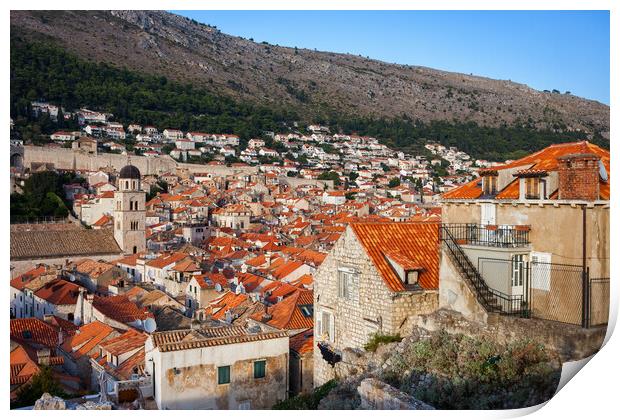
(130, 172)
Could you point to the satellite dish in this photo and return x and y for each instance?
(602, 171)
(150, 325)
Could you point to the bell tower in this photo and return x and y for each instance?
(130, 212)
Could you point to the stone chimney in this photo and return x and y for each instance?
(578, 177)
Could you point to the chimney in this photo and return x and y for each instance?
(578, 177)
(266, 315)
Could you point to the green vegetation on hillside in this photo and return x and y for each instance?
(41, 197)
(462, 373)
(41, 70)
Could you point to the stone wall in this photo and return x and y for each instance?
(377, 395)
(455, 294)
(187, 379)
(570, 341)
(76, 160)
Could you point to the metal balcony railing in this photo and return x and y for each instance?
(499, 236)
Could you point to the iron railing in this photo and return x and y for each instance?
(500, 236)
(492, 300)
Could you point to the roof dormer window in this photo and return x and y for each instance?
(407, 270)
(489, 181)
(532, 184)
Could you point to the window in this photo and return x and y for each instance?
(325, 326)
(518, 270)
(490, 185)
(532, 188)
(346, 277)
(223, 375)
(306, 310)
(259, 369)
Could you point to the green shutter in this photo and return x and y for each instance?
(259, 369)
(223, 375)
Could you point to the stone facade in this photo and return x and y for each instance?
(130, 216)
(188, 378)
(372, 307)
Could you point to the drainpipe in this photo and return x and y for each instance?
(584, 280)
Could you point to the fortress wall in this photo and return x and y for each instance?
(73, 159)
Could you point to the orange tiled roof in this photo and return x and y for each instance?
(33, 330)
(86, 340)
(303, 342)
(543, 160)
(59, 292)
(22, 366)
(21, 281)
(415, 241)
(120, 308)
(287, 314)
(129, 340)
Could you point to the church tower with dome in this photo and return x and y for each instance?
(130, 212)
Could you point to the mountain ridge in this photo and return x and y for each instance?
(312, 82)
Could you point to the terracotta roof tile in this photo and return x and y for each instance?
(33, 330)
(543, 160)
(88, 337)
(59, 292)
(416, 241)
(303, 342)
(26, 245)
(288, 314)
(208, 337)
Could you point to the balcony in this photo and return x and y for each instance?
(496, 236)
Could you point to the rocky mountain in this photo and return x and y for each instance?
(311, 82)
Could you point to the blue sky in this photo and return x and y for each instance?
(564, 50)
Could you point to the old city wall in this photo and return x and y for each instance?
(78, 160)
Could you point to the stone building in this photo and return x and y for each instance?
(377, 278)
(234, 216)
(528, 228)
(217, 368)
(58, 243)
(130, 212)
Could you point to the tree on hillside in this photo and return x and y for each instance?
(330, 176)
(40, 383)
(394, 182)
